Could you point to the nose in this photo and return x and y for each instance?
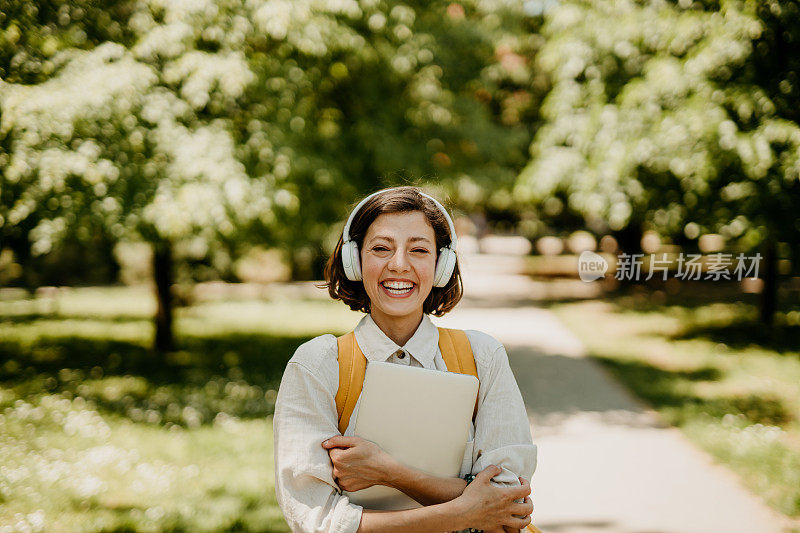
(399, 261)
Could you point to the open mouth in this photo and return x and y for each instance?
(398, 288)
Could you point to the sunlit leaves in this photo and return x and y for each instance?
(223, 120)
(653, 112)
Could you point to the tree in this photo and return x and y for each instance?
(656, 119)
(774, 70)
(32, 34)
(104, 142)
(207, 126)
(422, 89)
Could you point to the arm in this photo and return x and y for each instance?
(442, 517)
(359, 463)
(502, 428)
(304, 486)
(424, 488)
(483, 505)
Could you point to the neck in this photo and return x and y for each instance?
(399, 329)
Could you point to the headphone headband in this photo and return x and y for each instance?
(453, 239)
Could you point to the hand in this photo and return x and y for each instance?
(527, 499)
(358, 463)
(492, 508)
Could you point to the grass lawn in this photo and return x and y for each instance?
(99, 434)
(701, 359)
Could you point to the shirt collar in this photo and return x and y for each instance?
(376, 346)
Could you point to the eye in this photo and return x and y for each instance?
(423, 250)
(379, 249)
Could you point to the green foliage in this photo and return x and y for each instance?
(776, 64)
(665, 117)
(216, 124)
(34, 32)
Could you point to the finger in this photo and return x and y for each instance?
(522, 509)
(528, 501)
(518, 523)
(518, 493)
(335, 454)
(521, 491)
(338, 441)
(488, 473)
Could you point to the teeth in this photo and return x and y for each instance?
(398, 285)
(400, 291)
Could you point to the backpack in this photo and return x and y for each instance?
(456, 352)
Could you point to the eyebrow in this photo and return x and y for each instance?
(390, 239)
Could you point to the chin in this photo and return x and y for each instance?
(400, 311)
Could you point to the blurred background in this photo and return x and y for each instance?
(174, 175)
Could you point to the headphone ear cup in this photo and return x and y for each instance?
(444, 267)
(351, 261)
(356, 263)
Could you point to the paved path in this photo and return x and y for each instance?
(606, 463)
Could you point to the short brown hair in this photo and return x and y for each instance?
(395, 200)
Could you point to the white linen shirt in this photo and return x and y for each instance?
(305, 415)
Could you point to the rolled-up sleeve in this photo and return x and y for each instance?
(502, 429)
(305, 415)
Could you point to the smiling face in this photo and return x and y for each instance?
(398, 261)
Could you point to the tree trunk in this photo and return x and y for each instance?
(162, 274)
(769, 294)
(629, 240)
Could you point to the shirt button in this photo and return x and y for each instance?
(400, 354)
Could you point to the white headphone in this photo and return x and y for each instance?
(445, 264)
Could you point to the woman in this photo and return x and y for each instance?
(390, 271)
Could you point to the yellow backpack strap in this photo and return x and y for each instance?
(352, 367)
(457, 355)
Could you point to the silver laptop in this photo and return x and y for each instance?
(421, 417)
